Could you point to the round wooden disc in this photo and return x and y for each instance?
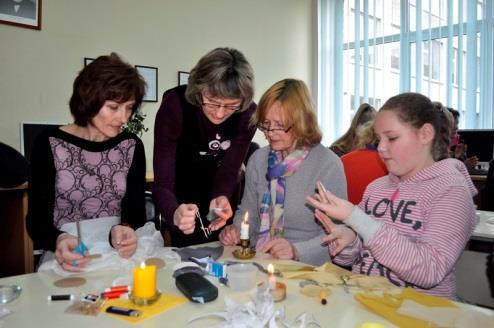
(156, 261)
(70, 282)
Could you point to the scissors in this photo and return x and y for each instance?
(204, 229)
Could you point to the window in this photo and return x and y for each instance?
(430, 48)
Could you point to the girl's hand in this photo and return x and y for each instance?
(339, 235)
(333, 206)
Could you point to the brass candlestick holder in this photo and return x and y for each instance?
(245, 252)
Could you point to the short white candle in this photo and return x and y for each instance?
(271, 277)
(244, 227)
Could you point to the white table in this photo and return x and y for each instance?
(33, 310)
(484, 230)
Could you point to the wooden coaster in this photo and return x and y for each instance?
(156, 261)
(70, 282)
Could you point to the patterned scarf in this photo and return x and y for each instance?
(271, 212)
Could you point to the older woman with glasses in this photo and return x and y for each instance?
(201, 137)
(279, 175)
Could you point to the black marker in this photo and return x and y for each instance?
(62, 297)
(123, 311)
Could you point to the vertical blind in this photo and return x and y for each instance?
(370, 50)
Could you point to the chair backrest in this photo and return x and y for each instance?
(252, 148)
(487, 193)
(153, 215)
(14, 169)
(361, 168)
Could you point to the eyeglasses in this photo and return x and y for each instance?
(215, 107)
(266, 128)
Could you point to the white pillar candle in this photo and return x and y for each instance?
(244, 227)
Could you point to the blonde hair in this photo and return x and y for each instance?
(346, 143)
(298, 110)
(367, 136)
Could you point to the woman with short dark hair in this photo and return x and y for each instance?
(201, 137)
(90, 170)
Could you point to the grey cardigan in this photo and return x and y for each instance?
(301, 228)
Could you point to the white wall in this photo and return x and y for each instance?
(37, 68)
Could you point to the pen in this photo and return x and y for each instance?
(324, 196)
(61, 297)
(123, 311)
(211, 214)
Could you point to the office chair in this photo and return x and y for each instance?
(14, 169)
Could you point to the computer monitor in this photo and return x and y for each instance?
(29, 132)
(479, 143)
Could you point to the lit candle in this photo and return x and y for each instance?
(271, 277)
(244, 227)
(144, 281)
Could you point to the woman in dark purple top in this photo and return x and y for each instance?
(90, 169)
(201, 136)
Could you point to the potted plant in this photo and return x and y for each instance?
(136, 124)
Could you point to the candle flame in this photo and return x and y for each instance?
(143, 265)
(270, 269)
(246, 217)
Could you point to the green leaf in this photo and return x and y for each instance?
(135, 124)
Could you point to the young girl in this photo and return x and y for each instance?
(412, 224)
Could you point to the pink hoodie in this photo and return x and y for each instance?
(414, 231)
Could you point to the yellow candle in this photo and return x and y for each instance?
(144, 281)
(244, 227)
(271, 277)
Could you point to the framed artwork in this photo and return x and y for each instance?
(87, 61)
(23, 13)
(183, 77)
(150, 75)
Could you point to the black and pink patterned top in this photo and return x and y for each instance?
(74, 179)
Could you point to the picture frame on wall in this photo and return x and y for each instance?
(24, 13)
(87, 61)
(183, 77)
(150, 75)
